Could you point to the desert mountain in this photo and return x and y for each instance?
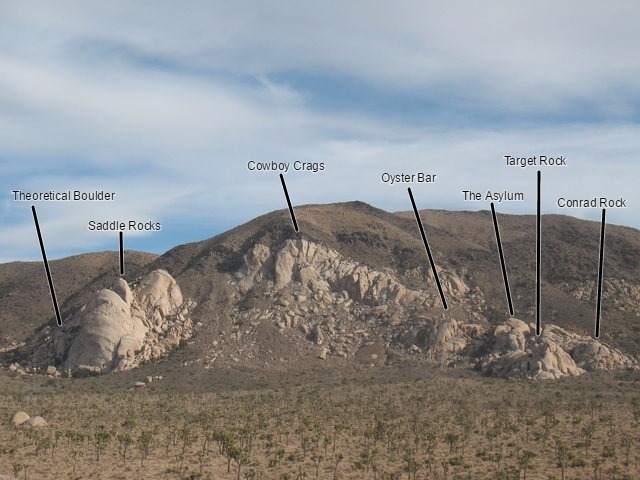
(354, 287)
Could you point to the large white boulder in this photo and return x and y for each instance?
(35, 422)
(19, 418)
(158, 290)
(104, 322)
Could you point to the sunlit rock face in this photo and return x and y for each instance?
(518, 352)
(119, 327)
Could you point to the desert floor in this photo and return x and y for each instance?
(385, 423)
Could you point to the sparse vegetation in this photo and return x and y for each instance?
(438, 427)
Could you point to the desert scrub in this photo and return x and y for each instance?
(439, 427)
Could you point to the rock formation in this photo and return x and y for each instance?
(445, 337)
(108, 333)
(517, 352)
(118, 328)
(322, 269)
(322, 297)
(300, 298)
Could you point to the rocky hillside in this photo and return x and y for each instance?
(354, 287)
(24, 292)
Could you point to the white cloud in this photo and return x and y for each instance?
(166, 103)
(505, 51)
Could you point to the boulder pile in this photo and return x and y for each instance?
(117, 329)
(518, 352)
(22, 419)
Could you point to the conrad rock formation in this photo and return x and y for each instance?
(517, 352)
(118, 328)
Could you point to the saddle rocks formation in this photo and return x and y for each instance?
(118, 328)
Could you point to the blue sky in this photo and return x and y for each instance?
(166, 102)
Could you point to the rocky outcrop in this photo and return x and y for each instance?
(316, 295)
(518, 352)
(256, 261)
(541, 361)
(445, 337)
(315, 266)
(588, 353)
(157, 295)
(512, 336)
(593, 355)
(322, 269)
(118, 328)
(107, 333)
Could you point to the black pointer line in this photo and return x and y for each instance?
(121, 254)
(286, 194)
(538, 255)
(504, 267)
(46, 267)
(600, 269)
(426, 247)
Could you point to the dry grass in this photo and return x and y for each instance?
(439, 427)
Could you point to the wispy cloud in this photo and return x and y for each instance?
(166, 104)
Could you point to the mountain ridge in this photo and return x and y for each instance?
(375, 264)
